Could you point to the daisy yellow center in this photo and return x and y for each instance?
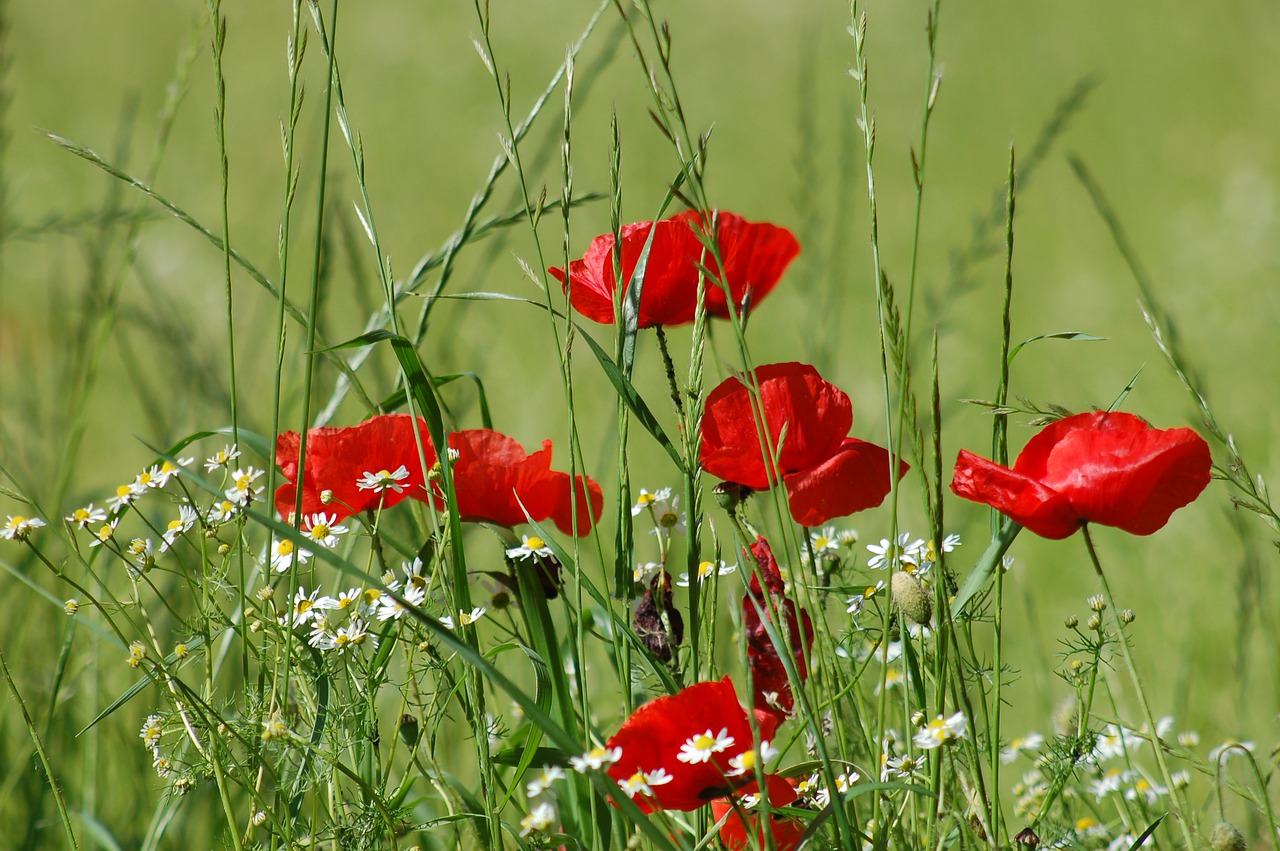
(344, 602)
(105, 532)
(705, 568)
(166, 467)
(304, 606)
(358, 639)
(1085, 823)
(535, 543)
(645, 499)
(284, 548)
(123, 491)
(319, 531)
(372, 595)
(748, 760)
(820, 542)
(869, 592)
(464, 618)
(1142, 785)
(596, 753)
(144, 478)
(242, 483)
(418, 581)
(137, 546)
(175, 525)
(669, 519)
(342, 639)
(636, 780)
(940, 730)
(703, 742)
(15, 522)
(384, 475)
(80, 515)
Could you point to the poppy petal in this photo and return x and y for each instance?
(806, 419)
(786, 832)
(755, 254)
(1019, 497)
(854, 479)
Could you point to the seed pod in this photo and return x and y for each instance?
(408, 730)
(911, 597)
(1227, 837)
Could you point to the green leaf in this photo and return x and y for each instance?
(1124, 394)
(986, 566)
(1057, 335)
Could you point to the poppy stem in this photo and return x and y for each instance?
(1175, 801)
(669, 367)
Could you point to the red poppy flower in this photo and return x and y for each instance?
(742, 820)
(826, 473)
(497, 481)
(676, 749)
(755, 255)
(375, 462)
(770, 686)
(1107, 468)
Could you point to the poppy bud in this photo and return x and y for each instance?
(1227, 837)
(911, 597)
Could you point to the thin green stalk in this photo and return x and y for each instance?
(58, 800)
(1176, 803)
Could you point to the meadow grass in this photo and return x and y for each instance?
(346, 244)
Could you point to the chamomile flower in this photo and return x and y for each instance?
(1231, 747)
(893, 677)
(125, 496)
(323, 529)
(142, 552)
(104, 533)
(532, 546)
(273, 726)
(857, 602)
(283, 552)
(18, 527)
(941, 731)
(185, 521)
(1030, 743)
(644, 570)
(464, 618)
(390, 608)
(642, 782)
(353, 635)
(304, 606)
(825, 541)
(707, 569)
(646, 500)
(137, 652)
(222, 458)
(540, 818)
(1116, 741)
(320, 637)
(384, 480)
(746, 762)
(345, 600)
(543, 779)
(161, 475)
(667, 515)
(1146, 790)
(1109, 782)
(699, 748)
(242, 491)
(84, 517)
(886, 554)
(151, 731)
(224, 511)
(162, 764)
(595, 759)
(413, 574)
(898, 768)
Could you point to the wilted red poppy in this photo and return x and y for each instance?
(365, 465)
(1108, 468)
(770, 686)
(755, 255)
(826, 473)
(498, 482)
(743, 820)
(677, 749)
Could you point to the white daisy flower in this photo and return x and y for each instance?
(345, 600)
(644, 570)
(707, 569)
(1116, 741)
(1109, 782)
(825, 540)
(323, 529)
(351, 636)
(413, 575)
(746, 762)
(161, 475)
(242, 491)
(283, 553)
(543, 779)
(390, 608)
(125, 496)
(540, 818)
(304, 606)
(941, 731)
(151, 731)
(667, 514)
(84, 517)
(384, 480)
(104, 533)
(464, 618)
(531, 546)
(1231, 747)
(223, 512)
(887, 554)
(595, 759)
(1030, 743)
(858, 601)
(699, 748)
(17, 528)
(897, 768)
(185, 521)
(646, 500)
(1146, 790)
(222, 458)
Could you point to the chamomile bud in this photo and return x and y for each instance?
(71, 606)
(1071, 622)
(1127, 616)
(1227, 837)
(181, 651)
(1095, 622)
(1097, 604)
(326, 496)
(917, 718)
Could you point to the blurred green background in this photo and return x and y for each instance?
(1179, 129)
